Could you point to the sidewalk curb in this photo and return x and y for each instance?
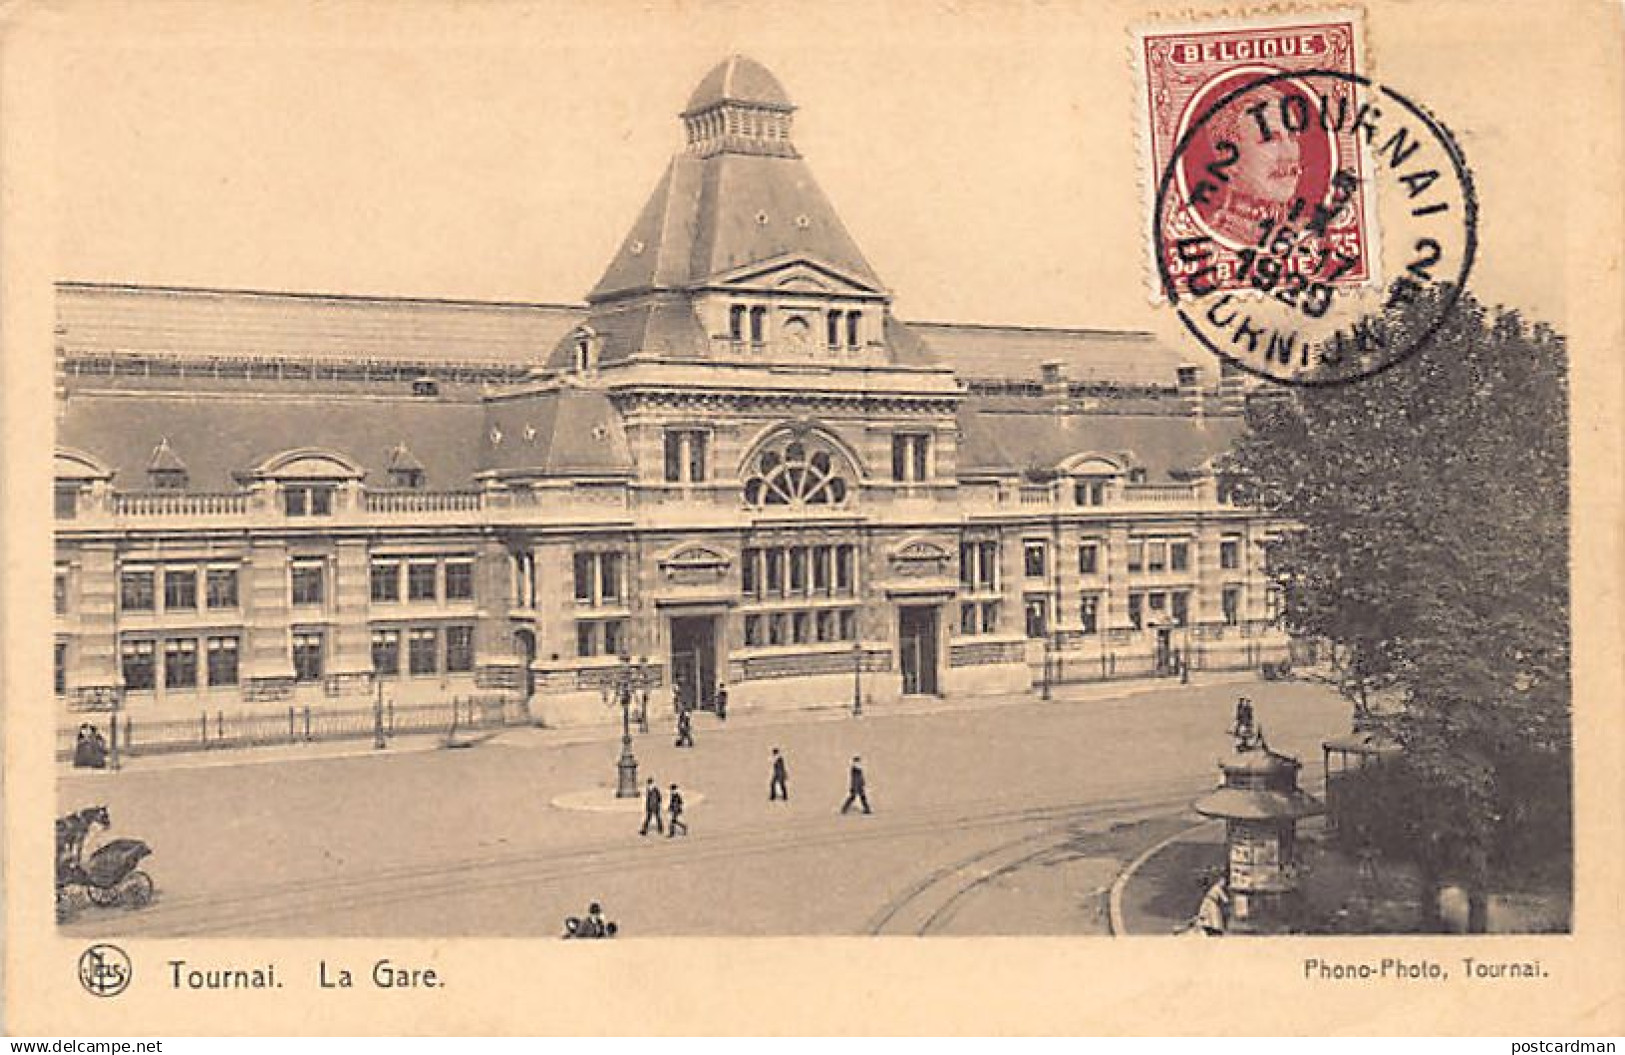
(1114, 920)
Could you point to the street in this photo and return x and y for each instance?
(1007, 818)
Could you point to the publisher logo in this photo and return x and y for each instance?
(105, 970)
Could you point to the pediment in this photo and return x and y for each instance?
(794, 274)
(920, 551)
(694, 565)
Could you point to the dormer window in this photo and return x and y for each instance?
(307, 500)
(425, 387)
(405, 471)
(585, 351)
(167, 479)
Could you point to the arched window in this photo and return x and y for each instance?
(796, 470)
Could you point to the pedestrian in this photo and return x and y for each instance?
(1214, 914)
(685, 729)
(675, 803)
(593, 926)
(856, 787)
(722, 701)
(779, 787)
(651, 809)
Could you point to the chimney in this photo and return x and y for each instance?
(1053, 376)
(1190, 389)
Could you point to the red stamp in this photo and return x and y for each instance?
(1246, 148)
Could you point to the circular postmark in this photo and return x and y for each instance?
(1312, 227)
(105, 970)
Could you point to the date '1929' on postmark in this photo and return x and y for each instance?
(1275, 164)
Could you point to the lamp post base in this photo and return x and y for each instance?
(626, 772)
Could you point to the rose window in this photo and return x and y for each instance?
(794, 471)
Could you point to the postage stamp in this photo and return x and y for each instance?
(1276, 166)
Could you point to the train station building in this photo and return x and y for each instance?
(733, 464)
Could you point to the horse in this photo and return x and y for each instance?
(73, 830)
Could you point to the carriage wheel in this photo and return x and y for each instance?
(103, 895)
(137, 889)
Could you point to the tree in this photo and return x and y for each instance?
(1430, 547)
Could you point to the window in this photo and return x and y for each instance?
(180, 590)
(796, 469)
(1037, 609)
(736, 323)
(798, 627)
(776, 628)
(584, 576)
(422, 646)
(758, 325)
(798, 569)
(307, 656)
(1230, 601)
(1136, 555)
(421, 584)
(978, 617)
(61, 596)
(843, 568)
(852, 318)
(990, 617)
(1156, 555)
(221, 587)
(969, 619)
(1179, 556)
(459, 580)
(459, 649)
(775, 571)
(615, 637)
(586, 640)
(180, 663)
(135, 590)
(300, 500)
(849, 625)
(753, 631)
(1089, 492)
(821, 569)
(1158, 601)
(750, 581)
(425, 386)
(1181, 607)
(1136, 610)
(1089, 558)
(979, 565)
(223, 653)
(826, 625)
(138, 659)
(386, 581)
(407, 479)
(1033, 558)
(685, 456)
(167, 479)
(609, 576)
(1230, 554)
(307, 582)
(833, 329)
(67, 501)
(61, 668)
(910, 457)
(386, 652)
(1089, 613)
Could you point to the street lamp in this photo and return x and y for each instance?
(618, 689)
(1046, 692)
(857, 679)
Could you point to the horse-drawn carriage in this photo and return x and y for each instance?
(112, 875)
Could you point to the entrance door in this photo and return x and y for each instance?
(694, 660)
(1164, 649)
(917, 644)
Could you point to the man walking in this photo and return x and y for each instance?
(685, 729)
(675, 800)
(722, 701)
(651, 809)
(856, 787)
(779, 787)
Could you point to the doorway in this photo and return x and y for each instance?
(917, 647)
(524, 644)
(694, 660)
(1165, 650)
